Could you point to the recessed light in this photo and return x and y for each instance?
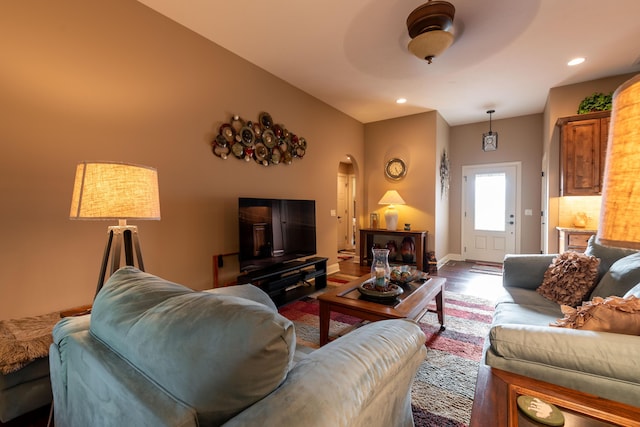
(575, 61)
(401, 100)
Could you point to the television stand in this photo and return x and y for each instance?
(289, 282)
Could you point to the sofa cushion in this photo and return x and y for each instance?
(570, 278)
(525, 297)
(523, 314)
(613, 314)
(623, 275)
(606, 254)
(216, 353)
(589, 353)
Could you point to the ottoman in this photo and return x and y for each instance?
(24, 364)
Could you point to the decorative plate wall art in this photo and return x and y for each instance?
(262, 141)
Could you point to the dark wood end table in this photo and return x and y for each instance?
(412, 304)
(494, 403)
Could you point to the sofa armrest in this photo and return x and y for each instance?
(361, 379)
(247, 291)
(601, 354)
(58, 357)
(525, 271)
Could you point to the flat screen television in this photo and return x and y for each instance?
(275, 231)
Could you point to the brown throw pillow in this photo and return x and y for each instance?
(612, 314)
(570, 278)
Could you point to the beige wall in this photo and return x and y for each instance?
(564, 101)
(442, 198)
(518, 140)
(116, 81)
(413, 139)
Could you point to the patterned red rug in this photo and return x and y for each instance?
(442, 393)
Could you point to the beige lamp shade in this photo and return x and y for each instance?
(110, 190)
(620, 211)
(391, 197)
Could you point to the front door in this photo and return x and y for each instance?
(490, 214)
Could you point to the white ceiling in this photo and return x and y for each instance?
(352, 54)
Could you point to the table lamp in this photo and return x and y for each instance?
(116, 191)
(391, 198)
(620, 210)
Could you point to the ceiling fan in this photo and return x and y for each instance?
(429, 27)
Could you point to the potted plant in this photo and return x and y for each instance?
(598, 101)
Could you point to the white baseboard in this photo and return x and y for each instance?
(450, 257)
(333, 268)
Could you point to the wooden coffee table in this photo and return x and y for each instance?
(412, 304)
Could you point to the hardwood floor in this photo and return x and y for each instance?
(459, 279)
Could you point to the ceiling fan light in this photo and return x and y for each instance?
(433, 15)
(430, 44)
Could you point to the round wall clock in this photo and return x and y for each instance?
(395, 169)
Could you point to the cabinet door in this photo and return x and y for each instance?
(604, 137)
(580, 158)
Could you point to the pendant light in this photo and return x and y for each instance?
(490, 139)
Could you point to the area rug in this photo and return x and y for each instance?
(442, 393)
(338, 279)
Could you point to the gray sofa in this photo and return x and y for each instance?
(521, 340)
(154, 353)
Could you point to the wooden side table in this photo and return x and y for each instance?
(496, 392)
(368, 235)
(76, 311)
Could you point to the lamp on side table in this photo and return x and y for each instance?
(391, 198)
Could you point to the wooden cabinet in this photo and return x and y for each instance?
(574, 240)
(371, 236)
(583, 148)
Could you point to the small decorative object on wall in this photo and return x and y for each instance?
(595, 102)
(444, 174)
(490, 139)
(263, 141)
(395, 169)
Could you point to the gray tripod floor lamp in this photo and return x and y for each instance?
(116, 191)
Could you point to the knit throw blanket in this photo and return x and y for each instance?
(24, 340)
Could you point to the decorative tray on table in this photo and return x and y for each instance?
(368, 290)
(405, 274)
